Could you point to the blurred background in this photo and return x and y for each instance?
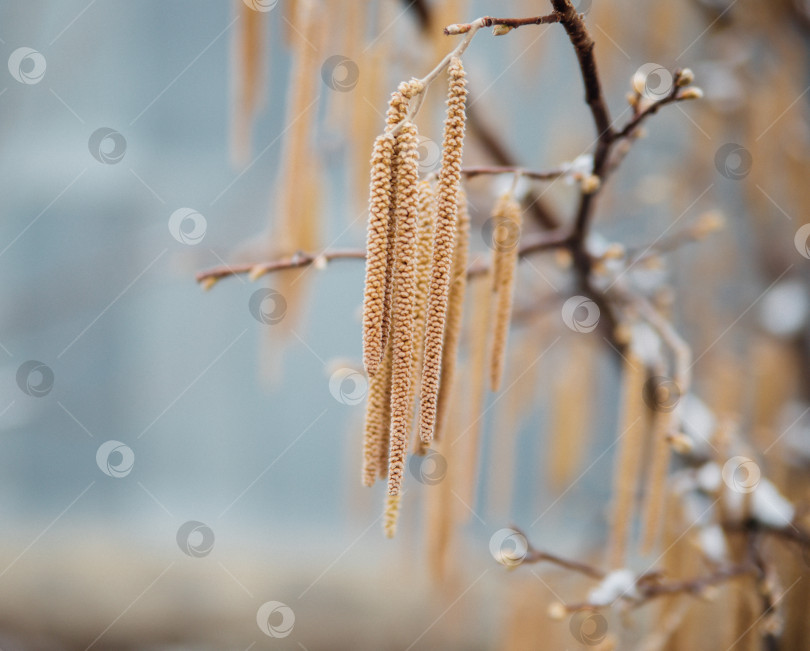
(172, 460)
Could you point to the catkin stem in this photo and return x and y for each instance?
(444, 241)
(403, 302)
(628, 461)
(505, 236)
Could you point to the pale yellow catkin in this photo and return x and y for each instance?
(570, 423)
(440, 519)
(505, 258)
(628, 459)
(500, 223)
(403, 301)
(424, 259)
(378, 421)
(391, 515)
(377, 251)
(443, 243)
(480, 320)
(655, 493)
(455, 314)
(249, 86)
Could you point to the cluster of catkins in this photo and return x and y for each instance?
(418, 236)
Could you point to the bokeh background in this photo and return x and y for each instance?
(122, 113)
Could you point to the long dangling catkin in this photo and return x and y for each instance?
(455, 314)
(404, 298)
(249, 86)
(628, 460)
(480, 320)
(443, 243)
(397, 111)
(500, 223)
(505, 257)
(570, 423)
(378, 422)
(377, 246)
(655, 501)
(424, 259)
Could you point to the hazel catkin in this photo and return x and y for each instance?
(443, 244)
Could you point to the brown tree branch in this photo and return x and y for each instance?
(512, 23)
(496, 148)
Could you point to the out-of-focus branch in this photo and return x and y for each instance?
(495, 147)
(548, 175)
(529, 245)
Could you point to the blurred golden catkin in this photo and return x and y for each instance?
(655, 483)
(444, 242)
(628, 459)
(455, 314)
(570, 423)
(505, 236)
(248, 86)
(480, 320)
